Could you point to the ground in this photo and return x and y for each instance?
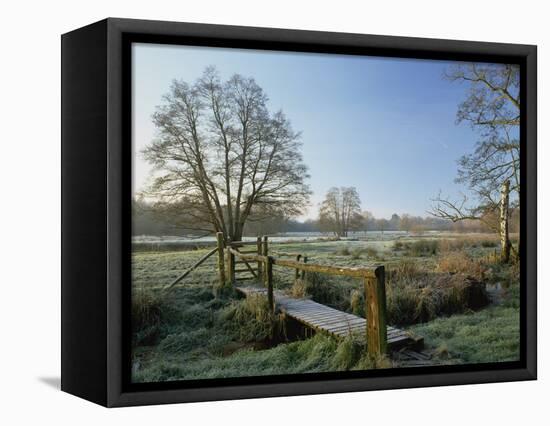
(199, 330)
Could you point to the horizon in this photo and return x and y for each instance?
(396, 116)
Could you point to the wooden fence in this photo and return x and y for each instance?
(373, 280)
(258, 264)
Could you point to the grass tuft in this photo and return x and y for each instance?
(343, 251)
(348, 353)
(251, 319)
(422, 248)
(460, 262)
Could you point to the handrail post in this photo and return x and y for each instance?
(297, 271)
(303, 270)
(375, 304)
(230, 265)
(259, 251)
(221, 266)
(269, 283)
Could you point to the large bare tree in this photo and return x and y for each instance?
(340, 211)
(221, 157)
(491, 172)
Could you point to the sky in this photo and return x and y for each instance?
(384, 125)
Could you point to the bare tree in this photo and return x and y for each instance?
(491, 172)
(405, 222)
(382, 224)
(340, 211)
(221, 156)
(367, 218)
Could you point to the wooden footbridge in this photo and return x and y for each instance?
(328, 320)
(258, 266)
(253, 260)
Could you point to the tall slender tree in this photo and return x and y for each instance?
(491, 172)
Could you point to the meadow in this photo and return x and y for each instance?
(448, 288)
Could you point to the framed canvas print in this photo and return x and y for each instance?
(253, 212)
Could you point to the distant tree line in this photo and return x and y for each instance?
(154, 219)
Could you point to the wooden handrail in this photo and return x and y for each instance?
(310, 267)
(368, 272)
(240, 243)
(285, 253)
(247, 257)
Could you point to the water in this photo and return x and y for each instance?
(288, 236)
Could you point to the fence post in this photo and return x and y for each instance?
(375, 303)
(221, 265)
(269, 283)
(297, 271)
(259, 251)
(230, 265)
(265, 250)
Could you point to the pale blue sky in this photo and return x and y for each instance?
(385, 126)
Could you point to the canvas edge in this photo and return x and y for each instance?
(83, 192)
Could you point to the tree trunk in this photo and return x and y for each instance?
(504, 222)
(237, 233)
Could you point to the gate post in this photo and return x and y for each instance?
(269, 283)
(265, 250)
(259, 251)
(375, 307)
(230, 265)
(221, 265)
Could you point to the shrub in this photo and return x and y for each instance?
(348, 353)
(421, 297)
(401, 306)
(412, 295)
(368, 362)
(488, 243)
(150, 315)
(195, 316)
(371, 252)
(398, 245)
(423, 248)
(405, 269)
(343, 251)
(460, 262)
(442, 351)
(451, 245)
(357, 303)
(327, 290)
(461, 243)
(356, 254)
(251, 319)
(184, 341)
(146, 310)
(299, 288)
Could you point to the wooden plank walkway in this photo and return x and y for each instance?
(331, 321)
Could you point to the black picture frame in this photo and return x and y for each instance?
(96, 173)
